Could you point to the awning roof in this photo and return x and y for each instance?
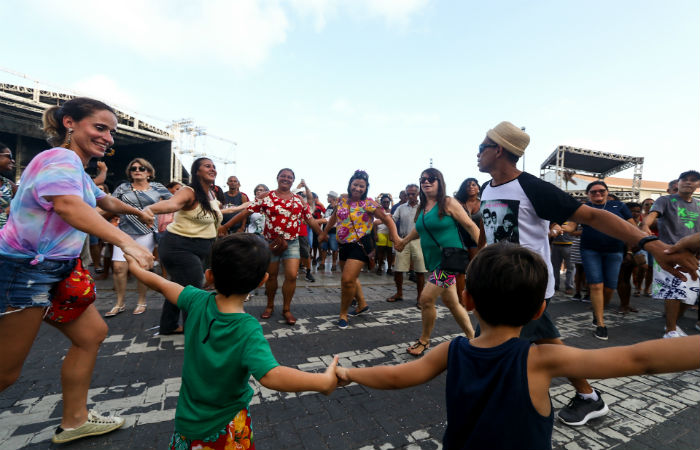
(593, 162)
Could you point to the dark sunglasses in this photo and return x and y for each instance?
(483, 147)
(597, 191)
(9, 155)
(430, 179)
(140, 169)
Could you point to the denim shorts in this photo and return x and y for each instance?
(292, 251)
(601, 267)
(23, 285)
(331, 243)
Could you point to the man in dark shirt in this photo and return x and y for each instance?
(532, 204)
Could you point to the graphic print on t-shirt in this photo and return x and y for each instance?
(500, 220)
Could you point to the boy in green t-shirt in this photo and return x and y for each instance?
(224, 346)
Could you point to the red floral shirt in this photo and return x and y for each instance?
(282, 217)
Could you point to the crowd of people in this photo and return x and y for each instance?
(496, 250)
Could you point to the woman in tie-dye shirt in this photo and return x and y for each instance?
(52, 211)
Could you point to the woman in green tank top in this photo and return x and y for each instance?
(437, 220)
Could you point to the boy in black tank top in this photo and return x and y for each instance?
(497, 383)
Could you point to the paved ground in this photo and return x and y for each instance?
(138, 376)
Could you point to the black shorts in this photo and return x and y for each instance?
(304, 250)
(352, 251)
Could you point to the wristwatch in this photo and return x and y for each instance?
(643, 241)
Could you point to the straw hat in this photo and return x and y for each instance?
(509, 137)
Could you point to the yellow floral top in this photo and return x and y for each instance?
(355, 219)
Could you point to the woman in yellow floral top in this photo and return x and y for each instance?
(354, 217)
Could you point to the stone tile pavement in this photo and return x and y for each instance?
(138, 376)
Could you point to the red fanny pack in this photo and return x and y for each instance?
(72, 295)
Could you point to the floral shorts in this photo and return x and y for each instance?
(238, 435)
(442, 278)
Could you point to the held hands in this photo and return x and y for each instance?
(690, 243)
(677, 259)
(222, 231)
(329, 375)
(400, 245)
(146, 216)
(138, 254)
(343, 376)
(323, 237)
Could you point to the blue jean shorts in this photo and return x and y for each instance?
(23, 285)
(331, 243)
(292, 251)
(601, 267)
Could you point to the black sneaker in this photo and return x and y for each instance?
(580, 410)
(601, 333)
(576, 296)
(310, 277)
(586, 298)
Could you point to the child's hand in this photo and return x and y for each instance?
(343, 376)
(331, 379)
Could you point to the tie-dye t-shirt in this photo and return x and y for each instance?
(34, 229)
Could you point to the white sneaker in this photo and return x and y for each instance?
(672, 334)
(95, 425)
(680, 332)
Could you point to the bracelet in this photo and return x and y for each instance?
(646, 239)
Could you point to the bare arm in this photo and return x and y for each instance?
(690, 243)
(78, 214)
(101, 173)
(657, 356)
(181, 199)
(458, 213)
(380, 214)
(235, 209)
(115, 206)
(618, 228)
(171, 291)
(287, 379)
(323, 235)
(400, 376)
(649, 221)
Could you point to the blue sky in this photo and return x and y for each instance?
(329, 86)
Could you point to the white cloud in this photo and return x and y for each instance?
(395, 12)
(239, 33)
(106, 89)
(342, 106)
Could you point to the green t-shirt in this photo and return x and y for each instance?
(221, 352)
(444, 230)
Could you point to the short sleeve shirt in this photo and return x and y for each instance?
(677, 218)
(355, 219)
(592, 239)
(405, 216)
(282, 217)
(520, 211)
(139, 199)
(34, 229)
(222, 351)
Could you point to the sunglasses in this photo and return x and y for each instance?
(483, 147)
(430, 179)
(597, 191)
(139, 168)
(8, 155)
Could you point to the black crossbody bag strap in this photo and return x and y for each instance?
(433, 237)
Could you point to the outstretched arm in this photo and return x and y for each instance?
(657, 356)
(619, 228)
(400, 376)
(287, 379)
(171, 291)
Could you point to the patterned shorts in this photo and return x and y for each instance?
(238, 435)
(442, 278)
(668, 287)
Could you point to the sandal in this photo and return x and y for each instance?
(140, 309)
(267, 313)
(115, 310)
(394, 298)
(418, 345)
(291, 320)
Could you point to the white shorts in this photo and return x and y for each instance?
(668, 287)
(144, 240)
(412, 252)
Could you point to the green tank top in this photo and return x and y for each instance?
(444, 230)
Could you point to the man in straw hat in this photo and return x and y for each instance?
(532, 204)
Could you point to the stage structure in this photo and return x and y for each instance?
(568, 161)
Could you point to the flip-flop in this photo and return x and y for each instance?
(115, 310)
(416, 345)
(140, 309)
(289, 317)
(394, 298)
(267, 313)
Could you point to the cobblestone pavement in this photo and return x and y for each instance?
(138, 376)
